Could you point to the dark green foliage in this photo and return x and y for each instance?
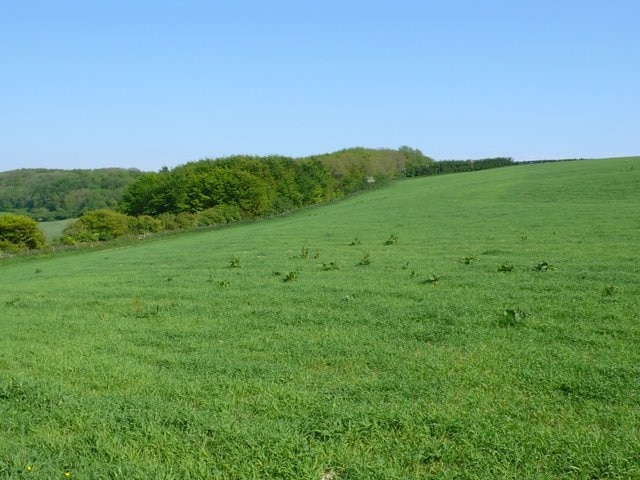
(505, 268)
(456, 166)
(355, 241)
(543, 266)
(392, 240)
(365, 260)
(19, 232)
(512, 317)
(235, 263)
(58, 194)
(258, 186)
(467, 260)
(431, 279)
(330, 266)
(291, 276)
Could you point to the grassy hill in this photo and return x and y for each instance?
(479, 325)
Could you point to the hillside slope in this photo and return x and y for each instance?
(479, 325)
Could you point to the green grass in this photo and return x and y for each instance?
(53, 230)
(192, 357)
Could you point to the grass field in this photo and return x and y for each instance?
(473, 326)
(53, 230)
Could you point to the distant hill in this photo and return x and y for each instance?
(46, 194)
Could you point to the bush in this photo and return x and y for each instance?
(220, 214)
(99, 225)
(20, 232)
(145, 224)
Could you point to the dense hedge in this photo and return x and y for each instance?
(258, 186)
(456, 166)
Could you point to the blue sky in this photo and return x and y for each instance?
(147, 84)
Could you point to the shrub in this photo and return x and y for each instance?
(186, 221)
(220, 214)
(19, 232)
(99, 225)
(145, 224)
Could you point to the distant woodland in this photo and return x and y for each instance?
(44, 194)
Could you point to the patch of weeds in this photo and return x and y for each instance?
(37, 270)
(304, 254)
(13, 302)
(393, 239)
(505, 267)
(348, 298)
(365, 260)
(330, 266)
(223, 283)
(467, 260)
(169, 279)
(235, 263)
(431, 280)
(317, 254)
(512, 317)
(355, 241)
(609, 290)
(405, 266)
(413, 274)
(291, 276)
(543, 266)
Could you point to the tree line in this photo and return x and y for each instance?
(219, 191)
(50, 194)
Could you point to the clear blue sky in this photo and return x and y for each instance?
(153, 83)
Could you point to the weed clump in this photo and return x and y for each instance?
(235, 263)
(392, 240)
(467, 260)
(330, 266)
(512, 317)
(431, 280)
(291, 276)
(304, 254)
(355, 241)
(365, 260)
(543, 266)
(505, 268)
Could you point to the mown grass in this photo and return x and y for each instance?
(192, 357)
